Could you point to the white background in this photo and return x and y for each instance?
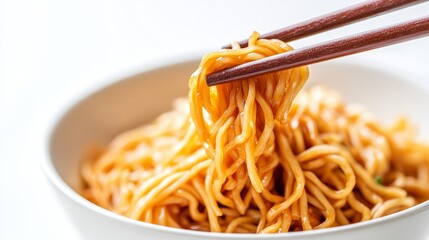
(47, 46)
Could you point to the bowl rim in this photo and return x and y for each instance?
(109, 78)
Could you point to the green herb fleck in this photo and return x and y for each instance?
(379, 180)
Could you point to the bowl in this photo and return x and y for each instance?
(137, 96)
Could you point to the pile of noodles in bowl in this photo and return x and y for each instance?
(159, 155)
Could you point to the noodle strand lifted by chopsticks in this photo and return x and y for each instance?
(256, 156)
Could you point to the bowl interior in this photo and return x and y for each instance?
(139, 98)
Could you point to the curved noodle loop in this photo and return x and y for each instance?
(256, 156)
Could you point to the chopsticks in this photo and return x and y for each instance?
(355, 13)
(331, 49)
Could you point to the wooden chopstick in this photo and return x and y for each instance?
(335, 19)
(328, 50)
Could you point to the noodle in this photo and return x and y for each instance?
(256, 156)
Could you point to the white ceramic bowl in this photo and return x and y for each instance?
(137, 96)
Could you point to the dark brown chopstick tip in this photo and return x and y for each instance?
(215, 79)
(235, 73)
